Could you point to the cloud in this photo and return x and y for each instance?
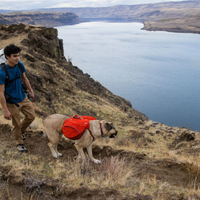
(85, 3)
(104, 3)
(28, 5)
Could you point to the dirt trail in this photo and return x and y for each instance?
(165, 170)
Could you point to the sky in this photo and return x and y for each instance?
(35, 4)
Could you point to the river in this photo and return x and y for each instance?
(158, 72)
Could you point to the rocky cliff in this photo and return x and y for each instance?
(56, 82)
(48, 19)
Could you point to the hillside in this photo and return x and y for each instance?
(48, 19)
(169, 16)
(147, 160)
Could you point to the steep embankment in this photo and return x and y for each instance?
(48, 19)
(59, 86)
(147, 161)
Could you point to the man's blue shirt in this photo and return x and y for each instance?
(14, 88)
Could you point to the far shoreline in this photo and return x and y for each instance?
(145, 27)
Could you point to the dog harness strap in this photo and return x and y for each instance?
(91, 135)
(102, 135)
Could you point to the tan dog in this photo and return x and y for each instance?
(53, 125)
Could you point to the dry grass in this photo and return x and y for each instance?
(114, 172)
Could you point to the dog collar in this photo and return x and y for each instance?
(102, 135)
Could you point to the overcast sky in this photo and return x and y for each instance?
(34, 4)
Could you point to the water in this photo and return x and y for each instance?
(158, 72)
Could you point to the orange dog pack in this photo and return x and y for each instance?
(74, 127)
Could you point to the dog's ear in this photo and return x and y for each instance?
(108, 126)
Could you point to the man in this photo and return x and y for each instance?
(15, 100)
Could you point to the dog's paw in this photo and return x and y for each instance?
(97, 161)
(59, 154)
(55, 155)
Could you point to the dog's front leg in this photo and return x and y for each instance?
(53, 148)
(81, 153)
(89, 150)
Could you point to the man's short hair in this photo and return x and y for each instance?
(11, 49)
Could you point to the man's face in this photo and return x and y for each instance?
(12, 59)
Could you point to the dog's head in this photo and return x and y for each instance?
(109, 130)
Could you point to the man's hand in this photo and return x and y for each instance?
(7, 115)
(28, 85)
(32, 94)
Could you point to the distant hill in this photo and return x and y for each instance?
(7, 11)
(171, 16)
(134, 12)
(43, 18)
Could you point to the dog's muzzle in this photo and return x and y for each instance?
(113, 135)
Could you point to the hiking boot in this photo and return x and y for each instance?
(23, 136)
(21, 148)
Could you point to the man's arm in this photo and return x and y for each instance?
(28, 85)
(7, 114)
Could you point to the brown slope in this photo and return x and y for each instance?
(55, 80)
